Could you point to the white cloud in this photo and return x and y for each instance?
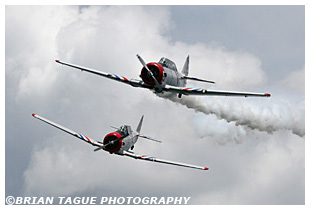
(31, 39)
(294, 82)
(238, 70)
(258, 171)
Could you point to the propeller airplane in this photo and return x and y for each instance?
(163, 76)
(119, 142)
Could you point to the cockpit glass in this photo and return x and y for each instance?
(123, 129)
(165, 62)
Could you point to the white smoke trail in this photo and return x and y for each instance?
(268, 116)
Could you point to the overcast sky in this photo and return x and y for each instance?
(254, 147)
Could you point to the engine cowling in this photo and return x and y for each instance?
(114, 147)
(157, 71)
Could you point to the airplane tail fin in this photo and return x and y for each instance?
(185, 69)
(141, 135)
(140, 124)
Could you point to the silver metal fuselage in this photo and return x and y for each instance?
(173, 78)
(127, 142)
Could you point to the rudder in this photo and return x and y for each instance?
(140, 124)
(185, 69)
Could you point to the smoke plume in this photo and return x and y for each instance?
(267, 116)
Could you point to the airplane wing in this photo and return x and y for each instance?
(148, 158)
(78, 135)
(132, 82)
(201, 91)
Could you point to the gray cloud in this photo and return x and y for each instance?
(272, 33)
(248, 166)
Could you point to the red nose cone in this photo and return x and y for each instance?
(110, 137)
(157, 71)
(205, 168)
(33, 115)
(57, 61)
(267, 94)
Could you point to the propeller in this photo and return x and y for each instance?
(158, 86)
(110, 142)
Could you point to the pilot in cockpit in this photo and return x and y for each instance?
(123, 128)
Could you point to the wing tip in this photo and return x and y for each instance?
(268, 94)
(33, 114)
(206, 168)
(57, 61)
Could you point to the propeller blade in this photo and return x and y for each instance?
(97, 149)
(111, 142)
(150, 72)
(142, 62)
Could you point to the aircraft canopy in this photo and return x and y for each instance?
(165, 62)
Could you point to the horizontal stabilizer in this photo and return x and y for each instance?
(197, 79)
(148, 137)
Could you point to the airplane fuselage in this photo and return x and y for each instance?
(173, 78)
(165, 72)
